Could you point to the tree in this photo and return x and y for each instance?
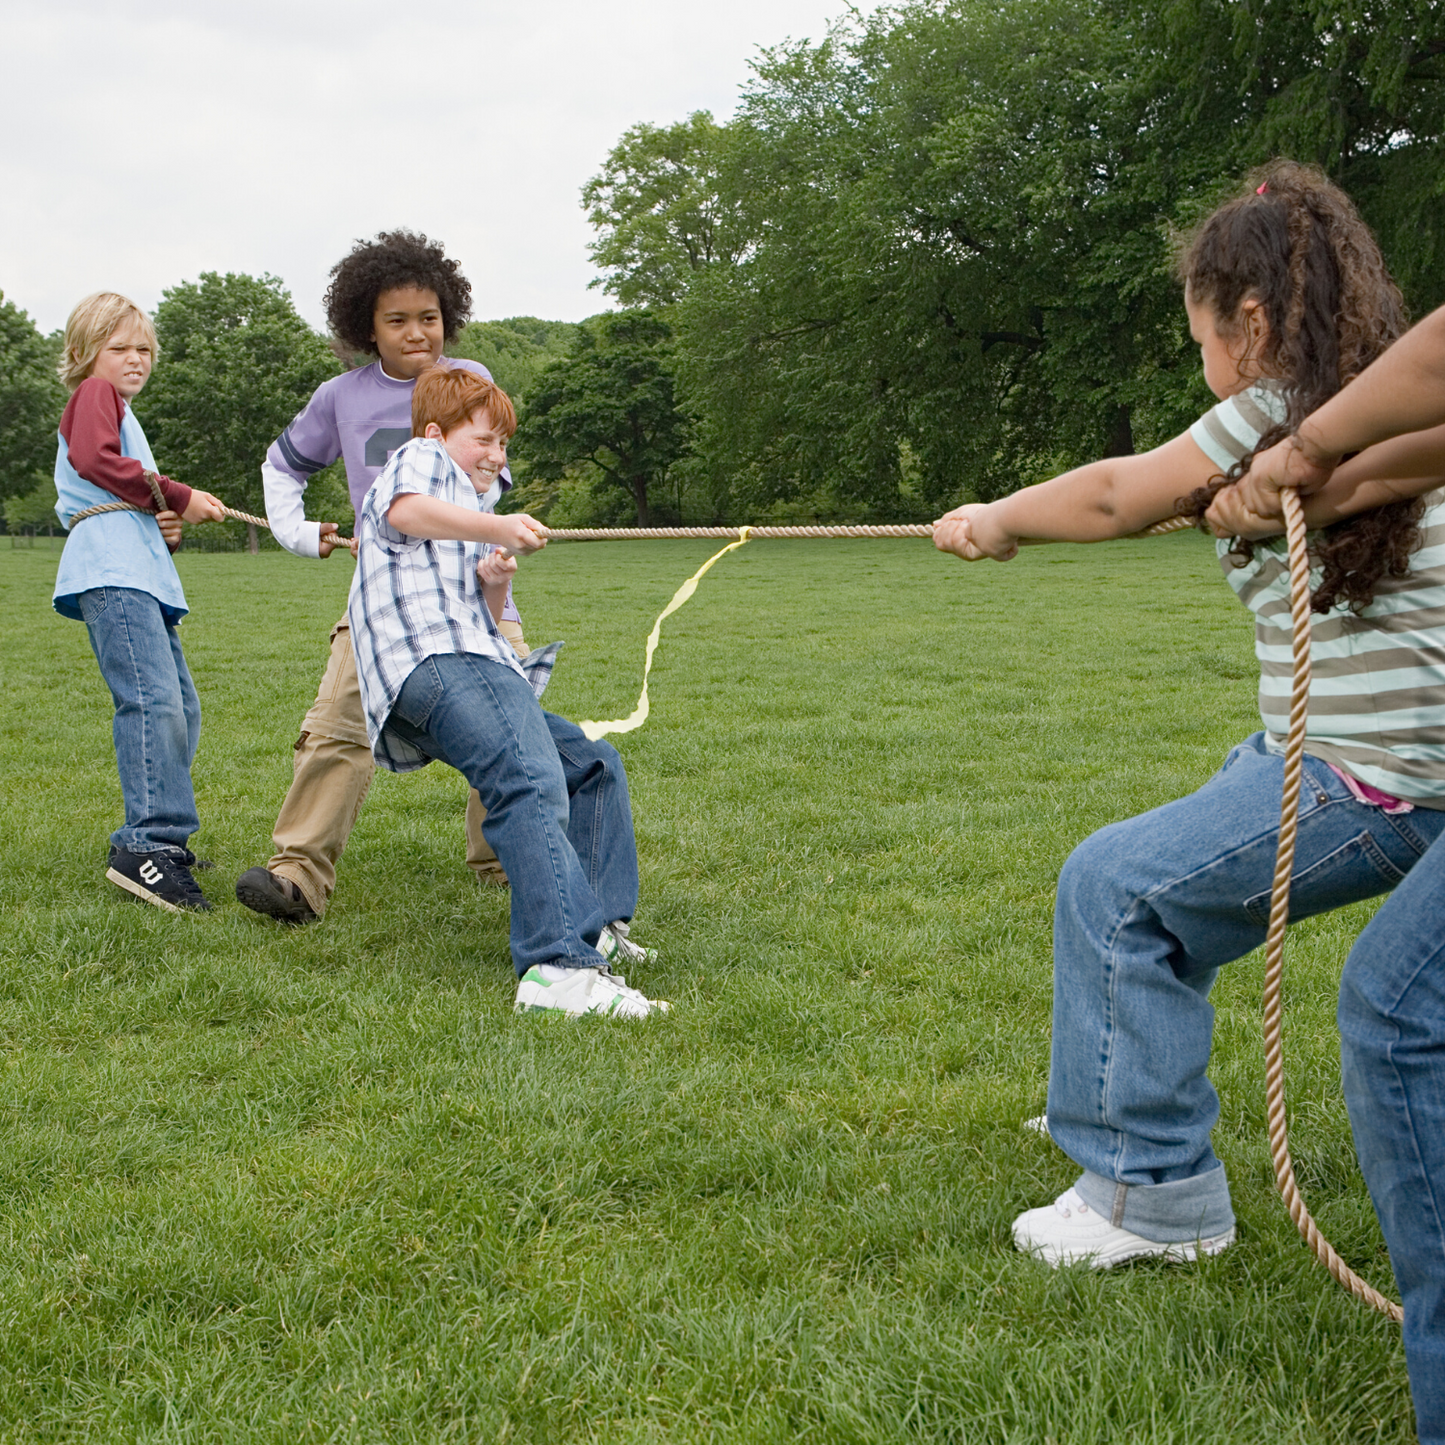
(665, 206)
(32, 398)
(515, 350)
(948, 264)
(609, 403)
(237, 363)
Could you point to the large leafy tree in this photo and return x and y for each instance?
(666, 205)
(611, 405)
(237, 363)
(948, 266)
(32, 398)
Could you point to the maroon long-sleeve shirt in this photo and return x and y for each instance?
(91, 428)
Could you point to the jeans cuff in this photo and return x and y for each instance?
(1186, 1209)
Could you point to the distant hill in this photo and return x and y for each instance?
(515, 350)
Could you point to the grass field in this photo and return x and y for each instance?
(321, 1184)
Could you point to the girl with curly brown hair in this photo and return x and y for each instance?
(1288, 298)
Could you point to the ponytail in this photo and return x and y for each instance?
(1294, 242)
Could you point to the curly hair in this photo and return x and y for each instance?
(1294, 242)
(394, 259)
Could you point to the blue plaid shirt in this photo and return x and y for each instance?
(412, 598)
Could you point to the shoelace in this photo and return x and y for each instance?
(183, 878)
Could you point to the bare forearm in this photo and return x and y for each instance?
(1391, 471)
(1078, 506)
(1404, 391)
(428, 517)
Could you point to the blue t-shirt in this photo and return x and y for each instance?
(115, 549)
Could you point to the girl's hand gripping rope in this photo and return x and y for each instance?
(1293, 463)
(203, 507)
(1229, 515)
(973, 533)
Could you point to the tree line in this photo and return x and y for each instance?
(929, 258)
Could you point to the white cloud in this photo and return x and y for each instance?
(149, 141)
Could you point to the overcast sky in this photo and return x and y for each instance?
(146, 141)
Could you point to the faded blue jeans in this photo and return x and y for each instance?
(157, 724)
(558, 813)
(1148, 911)
(1392, 1048)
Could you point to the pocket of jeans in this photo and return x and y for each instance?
(1356, 870)
(419, 694)
(93, 603)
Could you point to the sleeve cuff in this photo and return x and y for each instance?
(308, 540)
(177, 494)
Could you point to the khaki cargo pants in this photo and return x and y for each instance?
(333, 772)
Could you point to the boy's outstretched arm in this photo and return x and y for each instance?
(1094, 503)
(418, 515)
(1403, 391)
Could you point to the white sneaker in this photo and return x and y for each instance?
(1039, 1124)
(578, 991)
(1069, 1232)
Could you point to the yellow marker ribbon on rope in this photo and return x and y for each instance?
(595, 730)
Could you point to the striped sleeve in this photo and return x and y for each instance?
(1229, 432)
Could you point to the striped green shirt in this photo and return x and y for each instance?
(1377, 695)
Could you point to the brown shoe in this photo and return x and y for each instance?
(264, 892)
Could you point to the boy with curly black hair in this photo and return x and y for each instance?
(398, 299)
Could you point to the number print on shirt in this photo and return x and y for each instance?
(383, 441)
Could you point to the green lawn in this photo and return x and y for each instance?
(322, 1185)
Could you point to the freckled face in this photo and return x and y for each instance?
(478, 446)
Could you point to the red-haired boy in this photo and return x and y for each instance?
(439, 681)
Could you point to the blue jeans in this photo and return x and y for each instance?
(558, 814)
(1148, 910)
(157, 723)
(1392, 1048)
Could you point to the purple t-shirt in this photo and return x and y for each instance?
(363, 416)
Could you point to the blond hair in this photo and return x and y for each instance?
(91, 325)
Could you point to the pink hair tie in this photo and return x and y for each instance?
(1262, 189)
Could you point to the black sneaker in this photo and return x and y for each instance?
(158, 878)
(264, 892)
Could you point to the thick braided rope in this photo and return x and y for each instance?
(1299, 569)
(730, 534)
(733, 534)
(154, 483)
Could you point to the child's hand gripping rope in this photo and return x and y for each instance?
(203, 507)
